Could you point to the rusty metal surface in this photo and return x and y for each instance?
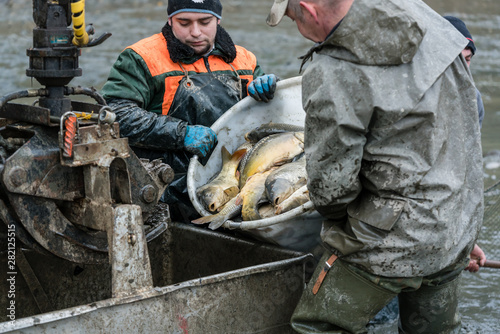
(63, 208)
(259, 299)
(34, 285)
(21, 233)
(205, 281)
(35, 168)
(89, 108)
(95, 142)
(26, 113)
(131, 269)
(47, 225)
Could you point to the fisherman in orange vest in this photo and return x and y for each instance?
(168, 89)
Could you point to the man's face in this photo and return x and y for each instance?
(196, 30)
(467, 53)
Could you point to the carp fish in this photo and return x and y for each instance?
(224, 186)
(270, 128)
(299, 197)
(230, 210)
(248, 147)
(273, 150)
(253, 193)
(286, 179)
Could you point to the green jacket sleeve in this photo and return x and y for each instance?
(130, 79)
(258, 71)
(129, 91)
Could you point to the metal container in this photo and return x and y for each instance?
(205, 282)
(297, 229)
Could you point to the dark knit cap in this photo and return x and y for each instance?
(213, 7)
(460, 26)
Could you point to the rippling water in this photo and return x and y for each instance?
(277, 50)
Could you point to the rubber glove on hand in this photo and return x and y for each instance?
(262, 88)
(200, 140)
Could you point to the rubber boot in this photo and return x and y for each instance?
(430, 309)
(345, 302)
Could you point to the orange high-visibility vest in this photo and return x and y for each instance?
(155, 54)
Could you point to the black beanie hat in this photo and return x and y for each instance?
(460, 26)
(213, 7)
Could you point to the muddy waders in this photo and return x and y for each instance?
(348, 297)
(430, 309)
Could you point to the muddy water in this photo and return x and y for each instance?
(277, 50)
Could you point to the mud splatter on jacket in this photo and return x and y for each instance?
(392, 140)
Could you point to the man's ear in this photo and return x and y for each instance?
(169, 21)
(311, 9)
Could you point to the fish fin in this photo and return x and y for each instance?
(238, 200)
(226, 156)
(203, 220)
(302, 182)
(231, 191)
(277, 210)
(238, 155)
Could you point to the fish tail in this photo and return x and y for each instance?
(231, 212)
(216, 223)
(203, 220)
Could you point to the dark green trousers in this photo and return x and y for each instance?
(349, 297)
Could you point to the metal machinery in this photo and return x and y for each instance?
(70, 185)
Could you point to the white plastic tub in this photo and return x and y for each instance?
(297, 229)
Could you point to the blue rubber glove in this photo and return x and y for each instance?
(200, 140)
(262, 88)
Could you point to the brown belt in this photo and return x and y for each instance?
(322, 274)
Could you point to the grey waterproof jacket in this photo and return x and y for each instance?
(392, 140)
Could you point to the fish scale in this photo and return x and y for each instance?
(273, 150)
(220, 190)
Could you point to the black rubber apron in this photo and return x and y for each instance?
(200, 100)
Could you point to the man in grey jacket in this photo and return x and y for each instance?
(394, 162)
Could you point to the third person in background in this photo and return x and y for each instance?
(468, 52)
(477, 256)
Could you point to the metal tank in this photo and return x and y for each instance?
(204, 282)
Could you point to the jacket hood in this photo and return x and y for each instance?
(394, 33)
(180, 52)
(393, 45)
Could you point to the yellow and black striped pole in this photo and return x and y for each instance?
(81, 37)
